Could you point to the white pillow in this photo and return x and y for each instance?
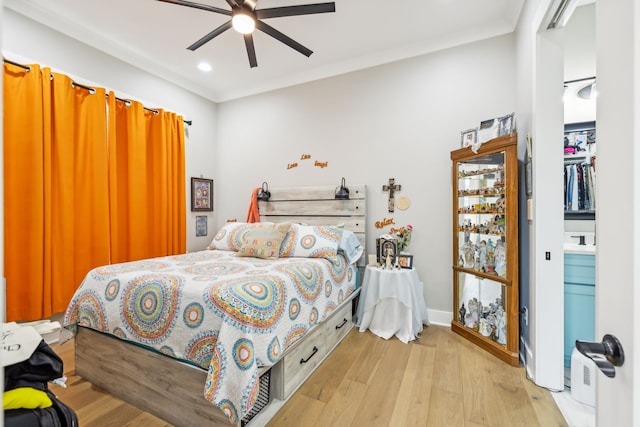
(311, 241)
(350, 246)
(231, 236)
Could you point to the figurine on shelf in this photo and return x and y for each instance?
(500, 259)
(502, 326)
(491, 258)
(482, 253)
(473, 316)
(468, 252)
(484, 328)
(389, 260)
(461, 313)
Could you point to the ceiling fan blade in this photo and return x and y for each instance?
(251, 50)
(221, 29)
(198, 6)
(246, 4)
(303, 9)
(283, 38)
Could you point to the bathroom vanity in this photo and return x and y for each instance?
(579, 296)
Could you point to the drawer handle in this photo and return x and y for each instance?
(344, 322)
(313, 353)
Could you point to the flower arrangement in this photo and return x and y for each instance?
(404, 236)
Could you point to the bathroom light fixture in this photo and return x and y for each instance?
(243, 22)
(588, 92)
(342, 192)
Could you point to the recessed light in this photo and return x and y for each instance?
(203, 66)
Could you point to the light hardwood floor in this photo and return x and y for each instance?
(437, 380)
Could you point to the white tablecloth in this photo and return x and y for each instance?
(392, 303)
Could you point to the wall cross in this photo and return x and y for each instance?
(391, 188)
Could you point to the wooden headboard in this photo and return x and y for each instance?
(318, 206)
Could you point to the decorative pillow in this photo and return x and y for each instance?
(311, 241)
(350, 246)
(231, 236)
(263, 240)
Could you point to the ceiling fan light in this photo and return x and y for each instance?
(243, 23)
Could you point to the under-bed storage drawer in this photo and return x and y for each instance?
(339, 325)
(303, 359)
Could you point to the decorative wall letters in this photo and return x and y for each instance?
(384, 223)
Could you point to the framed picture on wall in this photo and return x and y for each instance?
(201, 226)
(201, 194)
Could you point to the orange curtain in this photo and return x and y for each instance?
(173, 130)
(55, 182)
(23, 177)
(84, 185)
(147, 181)
(76, 187)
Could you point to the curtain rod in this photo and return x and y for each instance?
(26, 67)
(89, 89)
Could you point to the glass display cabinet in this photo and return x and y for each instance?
(485, 246)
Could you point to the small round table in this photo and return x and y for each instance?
(392, 303)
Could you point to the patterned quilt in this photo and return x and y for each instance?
(225, 313)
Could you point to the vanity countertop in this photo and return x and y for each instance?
(574, 248)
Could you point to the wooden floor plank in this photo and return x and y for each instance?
(411, 408)
(341, 409)
(439, 380)
(377, 406)
(300, 410)
(327, 378)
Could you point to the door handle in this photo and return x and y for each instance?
(606, 354)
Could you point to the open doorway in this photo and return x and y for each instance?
(580, 154)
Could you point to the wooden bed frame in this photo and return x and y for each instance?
(173, 390)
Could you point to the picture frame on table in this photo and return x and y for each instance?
(201, 195)
(405, 261)
(384, 247)
(468, 137)
(201, 226)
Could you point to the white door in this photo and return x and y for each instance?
(618, 204)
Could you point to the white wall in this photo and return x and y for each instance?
(25, 40)
(399, 120)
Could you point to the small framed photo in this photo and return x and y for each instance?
(201, 194)
(505, 124)
(488, 130)
(405, 261)
(201, 226)
(385, 247)
(468, 137)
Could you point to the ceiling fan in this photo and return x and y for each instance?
(245, 18)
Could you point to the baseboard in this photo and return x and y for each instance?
(438, 317)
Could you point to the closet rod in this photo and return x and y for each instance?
(89, 89)
(580, 80)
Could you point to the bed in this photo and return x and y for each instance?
(224, 336)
